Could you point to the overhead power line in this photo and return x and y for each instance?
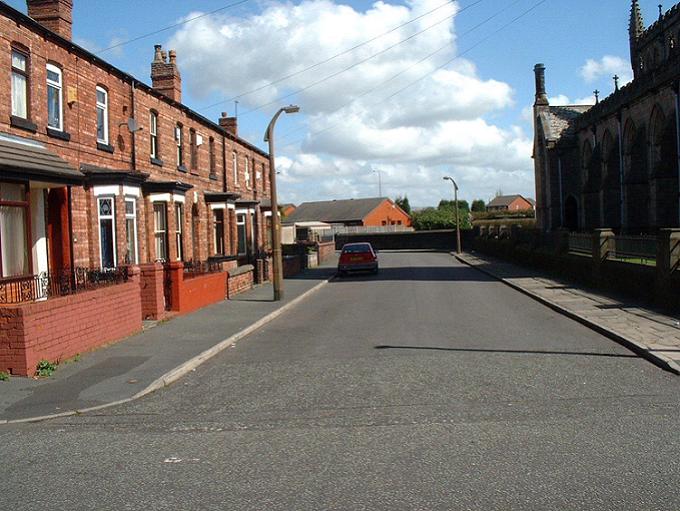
(174, 25)
(459, 55)
(358, 63)
(337, 55)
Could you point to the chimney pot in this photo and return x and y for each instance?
(165, 76)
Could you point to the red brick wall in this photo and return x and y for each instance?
(239, 283)
(520, 204)
(389, 213)
(325, 250)
(60, 328)
(190, 294)
(152, 303)
(292, 265)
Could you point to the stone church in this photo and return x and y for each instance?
(615, 164)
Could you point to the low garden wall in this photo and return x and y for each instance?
(292, 265)
(192, 292)
(239, 279)
(152, 277)
(325, 250)
(60, 328)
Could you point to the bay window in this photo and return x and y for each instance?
(241, 228)
(20, 84)
(14, 214)
(218, 231)
(107, 232)
(55, 110)
(132, 256)
(160, 230)
(179, 222)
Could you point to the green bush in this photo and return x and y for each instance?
(490, 215)
(433, 219)
(4, 376)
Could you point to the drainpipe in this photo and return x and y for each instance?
(559, 177)
(621, 199)
(677, 136)
(133, 133)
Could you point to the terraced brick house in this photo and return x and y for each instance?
(114, 196)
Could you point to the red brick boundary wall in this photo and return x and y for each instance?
(59, 328)
(325, 250)
(239, 280)
(151, 287)
(190, 294)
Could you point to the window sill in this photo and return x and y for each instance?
(182, 168)
(157, 162)
(61, 135)
(107, 148)
(24, 124)
(213, 177)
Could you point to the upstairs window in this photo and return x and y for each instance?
(194, 149)
(55, 109)
(102, 116)
(234, 164)
(153, 134)
(246, 174)
(20, 84)
(179, 135)
(212, 156)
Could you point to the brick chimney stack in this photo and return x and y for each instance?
(229, 123)
(55, 15)
(165, 77)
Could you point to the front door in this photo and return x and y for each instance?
(58, 230)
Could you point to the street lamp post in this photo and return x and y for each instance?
(379, 172)
(277, 257)
(455, 193)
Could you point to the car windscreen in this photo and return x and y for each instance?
(356, 249)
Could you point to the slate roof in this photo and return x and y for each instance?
(29, 159)
(335, 211)
(559, 120)
(505, 200)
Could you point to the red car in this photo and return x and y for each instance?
(357, 257)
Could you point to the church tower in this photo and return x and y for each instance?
(636, 28)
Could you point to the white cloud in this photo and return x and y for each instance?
(414, 137)
(607, 67)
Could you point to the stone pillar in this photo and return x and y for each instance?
(151, 283)
(667, 262)
(176, 270)
(603, 244)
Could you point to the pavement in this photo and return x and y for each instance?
(162, 353)
(430, 386)
(647, 332)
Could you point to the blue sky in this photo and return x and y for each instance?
(335, 147)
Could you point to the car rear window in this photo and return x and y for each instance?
(356, 249)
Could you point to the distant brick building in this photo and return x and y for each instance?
(99, 171)
(510, 203)
(373, 212)
(615, 164)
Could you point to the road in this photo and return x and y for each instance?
(429, 386)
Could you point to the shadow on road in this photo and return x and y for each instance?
(524, 352)
(420, 273)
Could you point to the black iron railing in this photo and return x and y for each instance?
(15, 290)
(581, 243)
(635, 249)
(196, 268)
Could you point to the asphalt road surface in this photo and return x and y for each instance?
(428, 386)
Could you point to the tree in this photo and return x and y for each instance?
(402, 202)
(449, 205)
(478, 205)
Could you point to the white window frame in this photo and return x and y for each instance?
(156, 232)
(246, 174)
(111, 217)
(153, 134)
(234, 162)
(179, 229)
(58, 86)
(179, 136)
(133, 216)
(245, 233)
(26, 76)
(216, 212)
(104, 107)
